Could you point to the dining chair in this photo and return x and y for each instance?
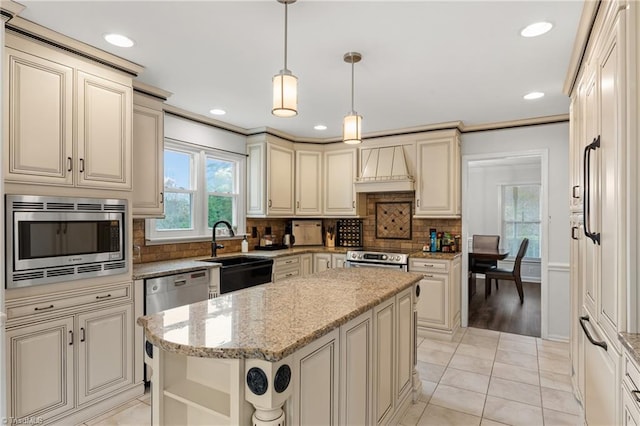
(476, 266)
(510, 275)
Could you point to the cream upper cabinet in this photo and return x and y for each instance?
(38, 113)
(438, 175)
(69, 122)
(104, 132)
(270, 177)
(340, 172)
(148, 157)
(308, 183)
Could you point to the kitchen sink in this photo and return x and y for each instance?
(240, 272)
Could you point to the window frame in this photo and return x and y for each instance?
(503, 237)
(200, 230)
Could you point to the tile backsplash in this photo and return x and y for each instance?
(419, 233)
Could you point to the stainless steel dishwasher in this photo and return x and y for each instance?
(171, 291)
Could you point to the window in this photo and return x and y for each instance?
(521, 218)
(201, 187)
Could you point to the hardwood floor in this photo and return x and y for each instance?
(502, 310)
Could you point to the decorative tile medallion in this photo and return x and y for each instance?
(393, 220)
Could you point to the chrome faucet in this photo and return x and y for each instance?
(215, 246)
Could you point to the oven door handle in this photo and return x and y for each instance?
(351, 264)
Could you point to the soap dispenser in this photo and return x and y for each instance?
(245, 245)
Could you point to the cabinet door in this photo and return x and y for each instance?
(433, 304)
(612, 177)
(316, 372)
(356, 361)
(306, 264)
(308, 183)
(321, 262)
(105, 351)
(38, 105)
(404, 339)
(602, 386)
(104, 132)
(338, 260)
(631, 413)
(256, 183)
(438, 182)
(279, 180)
(148, 162)
(40, 369)
(340, 171)
(384, 319)
(455, 293)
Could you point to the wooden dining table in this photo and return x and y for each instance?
(483, 255)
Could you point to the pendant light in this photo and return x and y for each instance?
(285, 84)
(352, 124)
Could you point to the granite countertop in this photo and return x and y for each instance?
(177, 266)
(631, 342)
(434, 255)
(168, 267)
(272, 321)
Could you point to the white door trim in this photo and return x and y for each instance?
(544, 247)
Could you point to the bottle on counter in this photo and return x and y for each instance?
(245, 245)
(433, 239)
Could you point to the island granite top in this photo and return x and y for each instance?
(274, 320)
(631, 342)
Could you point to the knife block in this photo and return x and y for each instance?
(330, 241)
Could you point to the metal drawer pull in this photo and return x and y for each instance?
(428, 276)
(69, 164)
(70, 337)
(82, 334)
(103, 297)
(635, 395)
(584, 319)
(44, 309)
(573, 232)
(162, 198)
(81, 165)
(180, 283)
(573, 191)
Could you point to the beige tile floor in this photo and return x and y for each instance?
(490, 378)
(484, 378)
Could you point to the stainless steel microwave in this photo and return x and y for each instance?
(54, 239)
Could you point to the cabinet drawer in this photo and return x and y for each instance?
(428, 265)
(42, 305)
(631, 375)
(284, 262)
(281, 275)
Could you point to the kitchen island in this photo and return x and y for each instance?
(337, 347)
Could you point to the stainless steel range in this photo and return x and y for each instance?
(378, 258)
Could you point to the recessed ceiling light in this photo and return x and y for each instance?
(536, 29)
(218, 111)
(533, 95)
(118, 40)
(320, 127)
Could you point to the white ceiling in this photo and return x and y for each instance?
(424, 62)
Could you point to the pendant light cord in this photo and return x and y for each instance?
(286, 9)
(352, 86)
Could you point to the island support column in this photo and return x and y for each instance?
(267, 387)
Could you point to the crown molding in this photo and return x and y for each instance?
(587, 19)
(550, 119)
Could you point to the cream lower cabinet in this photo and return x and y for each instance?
(57, 365)
(306, 264)
(105, 351)
(630, 391)
(286, 267)
(324, 261)
(439, 302)
(602, 379)
(68, 121)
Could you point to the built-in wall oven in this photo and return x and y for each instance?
(53, 239)
(377, 258)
